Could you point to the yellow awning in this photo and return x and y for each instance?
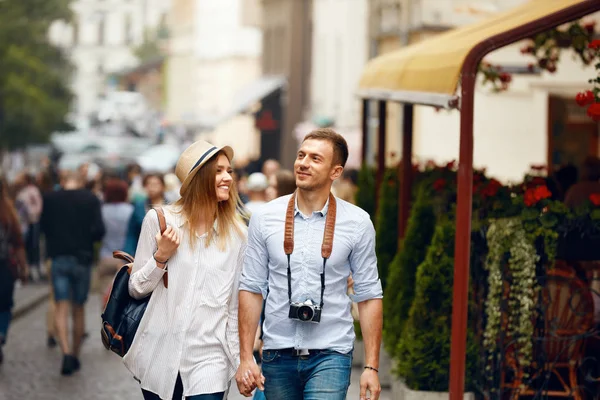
(434, 65)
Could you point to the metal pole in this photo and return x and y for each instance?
(381, 147)
(405, 186)
(365, 130)
(462, 246)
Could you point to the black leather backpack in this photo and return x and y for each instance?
(122, 313)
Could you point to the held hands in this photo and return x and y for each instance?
(167, 243)
(249, 377)
(369, 381)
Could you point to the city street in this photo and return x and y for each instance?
(31, 371)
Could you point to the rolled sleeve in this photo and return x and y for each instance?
(363, 263)
(145, 274)
(255, 274)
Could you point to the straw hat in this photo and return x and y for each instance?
(193, 158)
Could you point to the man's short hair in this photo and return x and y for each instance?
(340, 147)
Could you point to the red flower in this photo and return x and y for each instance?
(585, 98)
(439, 184)
(491, 189)
(534, 195)
(451, 164)
(590, 27)
(594, 44)
(551, 68)
(593, 111)
(595, 199)
(430, 164)
(527, 49)
(505, 77)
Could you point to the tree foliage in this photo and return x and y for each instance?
(424, 347)
(34, 78)
(386, 224)
(366, 194)
(403, 269)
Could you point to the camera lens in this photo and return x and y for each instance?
(305, 313)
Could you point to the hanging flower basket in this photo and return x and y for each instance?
(590, 98)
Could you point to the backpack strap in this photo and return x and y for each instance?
(162, 223)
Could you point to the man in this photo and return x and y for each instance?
(72, 222)
(308, 329)
(257, 186)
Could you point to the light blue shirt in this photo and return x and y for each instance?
(265, 267)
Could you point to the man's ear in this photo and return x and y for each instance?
(336, 172)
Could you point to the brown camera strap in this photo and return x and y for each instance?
(162, 223)
(326, 245)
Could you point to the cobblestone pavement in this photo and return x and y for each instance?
(31, 371)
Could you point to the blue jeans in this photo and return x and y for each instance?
(70, 280)
(178, 393)
(324, 375)
(5, 317)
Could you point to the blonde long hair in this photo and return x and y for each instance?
(199, 203)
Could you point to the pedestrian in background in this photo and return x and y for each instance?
(13, 262)
(72, 223)
(116, 213)
(281, 183)
(154, 188)
(29, 195)
(257, 186)
(187, 344)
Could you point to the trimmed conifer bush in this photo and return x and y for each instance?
(424, 346)
(386, 224)
(365, 194)
(402, 271)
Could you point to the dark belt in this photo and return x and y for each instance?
(298, 352)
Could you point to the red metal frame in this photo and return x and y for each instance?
(465, 176)
(381, 150)
(405, 186)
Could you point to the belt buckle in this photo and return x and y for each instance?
(301, 352)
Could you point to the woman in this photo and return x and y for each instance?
(187, 342)
(30, 195)
(154, 187)
(116, 212)
(13, 263)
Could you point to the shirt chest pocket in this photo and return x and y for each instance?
(216, 290)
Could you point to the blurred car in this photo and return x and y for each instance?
(159, 158)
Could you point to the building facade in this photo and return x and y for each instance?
(340, 51)
(101, 40)
(287, 51)
(536, 121)
(213, 54)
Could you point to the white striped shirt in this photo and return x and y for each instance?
(191, 327)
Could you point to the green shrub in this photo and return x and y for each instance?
(365, 194)
(424, 347)
(401, 279)
(386, 224)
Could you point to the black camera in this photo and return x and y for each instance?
(305, 312)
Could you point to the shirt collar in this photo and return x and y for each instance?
(323, 212)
